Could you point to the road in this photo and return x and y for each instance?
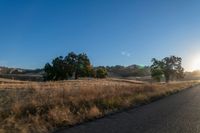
(178, 113)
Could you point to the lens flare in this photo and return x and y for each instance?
(195, 65)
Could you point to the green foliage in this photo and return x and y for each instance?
(170, 67)
(72, 65)
(60, 68)
(157, 74)
(157, 69)
(101, 73)
(57, 71)
(84, 67)
(49, 72)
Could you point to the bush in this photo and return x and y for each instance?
(101, 73)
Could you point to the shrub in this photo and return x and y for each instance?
(101, 73)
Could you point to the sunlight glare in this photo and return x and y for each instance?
(196, 63)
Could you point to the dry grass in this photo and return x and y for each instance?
(42, 107)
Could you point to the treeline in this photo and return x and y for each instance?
(72, 66)
(75, 65)
(129, 71)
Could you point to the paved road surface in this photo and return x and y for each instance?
(179, 113)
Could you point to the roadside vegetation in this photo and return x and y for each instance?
(75, 92)
(33, 107)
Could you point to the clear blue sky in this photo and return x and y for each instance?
(111, 32)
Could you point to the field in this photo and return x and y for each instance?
(40, 107)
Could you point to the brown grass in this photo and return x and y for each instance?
(35, 107)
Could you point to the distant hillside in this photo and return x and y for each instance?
(129, 71)
(6, 70)
(117, 71)
(21, 74)
(195, 75)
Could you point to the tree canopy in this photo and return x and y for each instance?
(169, 67)
(73, 65)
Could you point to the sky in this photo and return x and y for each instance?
(110, 32)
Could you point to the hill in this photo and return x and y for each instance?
(21, 74)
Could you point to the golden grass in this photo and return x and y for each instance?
(33, 107)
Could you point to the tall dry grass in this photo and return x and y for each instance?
(33, 107)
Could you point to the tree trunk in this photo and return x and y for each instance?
(167, 78)
(76, 75)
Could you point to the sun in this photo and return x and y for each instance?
(196, 63)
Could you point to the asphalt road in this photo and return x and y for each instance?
(178, 113)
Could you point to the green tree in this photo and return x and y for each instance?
(171, 67)
(101, 73)
(73, 64)
(72, 61)
(83, 67)
(57, 71)
(49, 72)
(79, 65)
(157, 74)
(157, 69)
(60, 68)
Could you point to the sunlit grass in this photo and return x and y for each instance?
(47, 106)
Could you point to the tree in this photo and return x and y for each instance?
(171, 67)
(73, 64)
(101, 73)
(157, 69)
(49, 72)
(83, 66)
(60, 69)
(57, 71)
(79, 65)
